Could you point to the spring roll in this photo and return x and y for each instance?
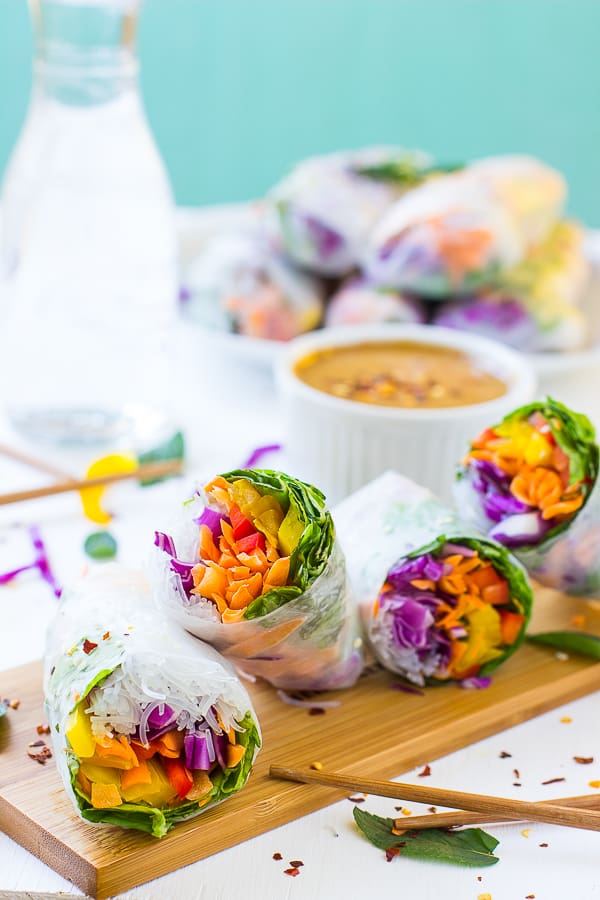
(438, 601)
(454, 234)
(358, 302)
(253, 568)
(149, 726)
(534, 306)
(240, 284)
(530, 481)
(325, 209)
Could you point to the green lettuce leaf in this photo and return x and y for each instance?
(157, 822)
(571, 641)
(405, 173)
(469, 847)
(312, 551)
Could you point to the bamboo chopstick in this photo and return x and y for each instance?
(33, 461)
(151, 470)
(454, 818)
(480, 803)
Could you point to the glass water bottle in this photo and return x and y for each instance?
(88, 264)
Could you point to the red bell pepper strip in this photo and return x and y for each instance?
(242, 527)
(180, 777)
(251, 542)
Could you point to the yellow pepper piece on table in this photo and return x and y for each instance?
(91, 498)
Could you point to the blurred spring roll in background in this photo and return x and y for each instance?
(439, 602)
(358, 301)
(238, 283)
(149, 726)
(325, 209)
(534, 305)
(530, 482)
(253, 568)
(456, 233)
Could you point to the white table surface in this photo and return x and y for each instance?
(338, 862)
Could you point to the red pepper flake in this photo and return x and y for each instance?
(36, 743)
(426, 771)
(356, 799)
(543, 845)
(14, 704)
(277, 856)
(391, 852)
(479, 878)
(505, 755)
(553, 780)
(316, 711)
(88, 646)
(516, 774)
(431, 809)
(43, 729)
(106, 635)
(517, 784)
(296, 863)
(293, 872)
(529, 896)
(41, 756)
(584, 760)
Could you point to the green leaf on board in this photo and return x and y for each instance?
(100, 545)
(572, 641)
(173, 448)
(469, 847)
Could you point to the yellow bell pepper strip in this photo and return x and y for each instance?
(79, 733)
(91, 497)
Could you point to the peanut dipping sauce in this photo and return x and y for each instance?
(399, 373)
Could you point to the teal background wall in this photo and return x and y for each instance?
(237, 90)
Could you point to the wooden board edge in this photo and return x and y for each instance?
(49, 849)
(572, 687)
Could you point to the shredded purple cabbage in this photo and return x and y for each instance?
(519, 530)
(407, 570)
(164, 542)
(41, 563)
(212, 519)
(258, 454)
(476, 682)
(326, 239)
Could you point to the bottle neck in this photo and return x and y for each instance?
(85, 51)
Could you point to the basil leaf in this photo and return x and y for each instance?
(405, 173)
(573, 641)
(100, 545)
(174, 448)
(470, 847)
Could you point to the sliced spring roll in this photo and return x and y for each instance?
(240, 284)
(438, 601)
(325, 209)
(530, 481)
(534, 305)
(149, 726)
(359, 301)
(456, 233)
(253, 568)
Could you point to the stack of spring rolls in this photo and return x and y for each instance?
(390, 234)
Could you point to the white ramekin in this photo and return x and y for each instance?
(339, 445)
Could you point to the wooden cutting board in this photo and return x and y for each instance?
(397, 731)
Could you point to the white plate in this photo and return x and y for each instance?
(572, 377)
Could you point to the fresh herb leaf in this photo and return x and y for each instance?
(573, 641)
(470, 847)
(100, 545)
(404, 172)
(174, 448)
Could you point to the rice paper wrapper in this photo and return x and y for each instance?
(312, 642)
(113, 610)
(385, 522)
(456, 233)
(325, 209)
(568, 560)
(238, 283)
(359, 302)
